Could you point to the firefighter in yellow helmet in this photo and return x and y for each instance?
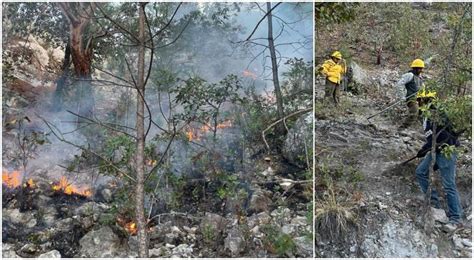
(333, 71)
(412, 82)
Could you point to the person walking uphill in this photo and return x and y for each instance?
(412, 82)
(333, 71)
(446, 164)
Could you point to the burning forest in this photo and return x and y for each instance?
(157, 130)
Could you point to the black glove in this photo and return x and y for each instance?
(421, 153)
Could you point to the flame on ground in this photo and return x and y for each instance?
(12, 179)
(196, 134)
(30, 183)
(131, 227)
(71, 189)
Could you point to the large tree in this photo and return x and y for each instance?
(79, 16)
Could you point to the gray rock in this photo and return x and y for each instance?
(64, 224)
(16, 217)
(42, 201)
(29, 248)
(183, 250)
(31, 223)
(439, 215)
(107, 195)
(353, 249)
(304, 247)
(449, 228)
(119, 154)
(467, 242)
(86, 222)
(233, 241)
(299, 221)
(51, 254)
(299, 140)
(133, 243)
(260, 201)
(261, 218)
(49, 216)
(397, 239)
(281, 214)
(171, 238)
(458, 244)
(90, 209)
(288, 229)
(212, 220)
(157, 252)
(10, 254)
(8, 251)
(359, 75)
(102, 243)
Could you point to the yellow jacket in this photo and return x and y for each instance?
(332, 71)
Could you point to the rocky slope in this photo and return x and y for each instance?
(380, 197)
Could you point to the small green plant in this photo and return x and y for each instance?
(278, 242)
(209, 234)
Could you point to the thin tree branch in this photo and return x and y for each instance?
(166, 25)
(261, 20)
(281, 119)
(61, 138)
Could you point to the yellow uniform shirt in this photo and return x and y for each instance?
(332, 71)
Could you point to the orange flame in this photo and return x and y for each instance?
(195, 134)
(131, 228)
(31, 183)
(14, 179)
(11, 180)
(249, 74)
(70, 189)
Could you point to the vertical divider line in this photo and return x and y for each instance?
(314, 133)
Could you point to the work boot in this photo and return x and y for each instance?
(452, 226)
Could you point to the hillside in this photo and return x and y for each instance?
(369, 204)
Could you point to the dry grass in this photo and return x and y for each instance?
(334, 214)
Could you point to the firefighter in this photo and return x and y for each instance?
(445, 163)
(412, 81)
(333, 71)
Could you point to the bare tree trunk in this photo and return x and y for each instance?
(140, 156)
(271, 45)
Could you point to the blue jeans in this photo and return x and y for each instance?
(447, 169)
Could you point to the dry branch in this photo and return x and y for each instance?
(299, 112)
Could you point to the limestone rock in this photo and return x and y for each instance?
(233, 241)
(51, 254)
(102, 243)
(439, 215)
(260, 201)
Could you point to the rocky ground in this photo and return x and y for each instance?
(270, 219)
(380, 196)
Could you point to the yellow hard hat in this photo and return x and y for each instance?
(418, 63)
(336, 55)
(423, 93)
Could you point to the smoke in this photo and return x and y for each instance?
(205, 50)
